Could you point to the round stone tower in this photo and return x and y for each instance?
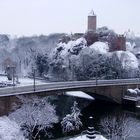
(92, 23)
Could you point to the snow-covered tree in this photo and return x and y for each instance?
(129, 63)
(72, 121)
(118, 127)
(34, 115)
(42, 63)
(85, 70)
(110, 67)
(10, 130)
(76, 61)
(61, 64)
(24, 51)
(106, 34)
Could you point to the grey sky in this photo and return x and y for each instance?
(29, 17)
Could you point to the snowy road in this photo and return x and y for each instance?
(54, 86)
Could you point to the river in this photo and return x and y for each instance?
(118, 117)
(112, 116)
(122, 120)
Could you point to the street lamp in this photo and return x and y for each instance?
(13, 72)
(34, 69)
(96, 78)
(96, 73)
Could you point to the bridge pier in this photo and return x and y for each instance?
(5, 105)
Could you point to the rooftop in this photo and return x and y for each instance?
(91, 13)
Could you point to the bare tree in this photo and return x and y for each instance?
(35, 115)
(118, 127)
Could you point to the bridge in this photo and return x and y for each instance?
(111, 89)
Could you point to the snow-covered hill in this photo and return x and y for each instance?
(127, 58)
(24, 51)
(77, 58)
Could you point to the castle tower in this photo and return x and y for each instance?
(118, 43)
(121, 43)
(92, 21)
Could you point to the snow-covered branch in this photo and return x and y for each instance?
(35, 114)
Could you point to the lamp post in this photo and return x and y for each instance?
(96, 73)
(34, 78)
(13, 76)
(96, 78)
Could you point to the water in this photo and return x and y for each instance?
(127, 119)
(98, 109)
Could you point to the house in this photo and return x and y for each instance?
(9, 67)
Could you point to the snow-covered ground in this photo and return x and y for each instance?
(79, 94)
(22, 81)
(83, 137)
(10, 130)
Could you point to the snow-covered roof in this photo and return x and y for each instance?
(91, 13)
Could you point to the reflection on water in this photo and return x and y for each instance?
(113, 118)
(128, 119)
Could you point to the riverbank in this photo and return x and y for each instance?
(82, 137)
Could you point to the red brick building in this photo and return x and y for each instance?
(118, 43)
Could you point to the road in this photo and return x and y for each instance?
(54, 86)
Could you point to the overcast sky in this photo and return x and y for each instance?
(34, 17)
